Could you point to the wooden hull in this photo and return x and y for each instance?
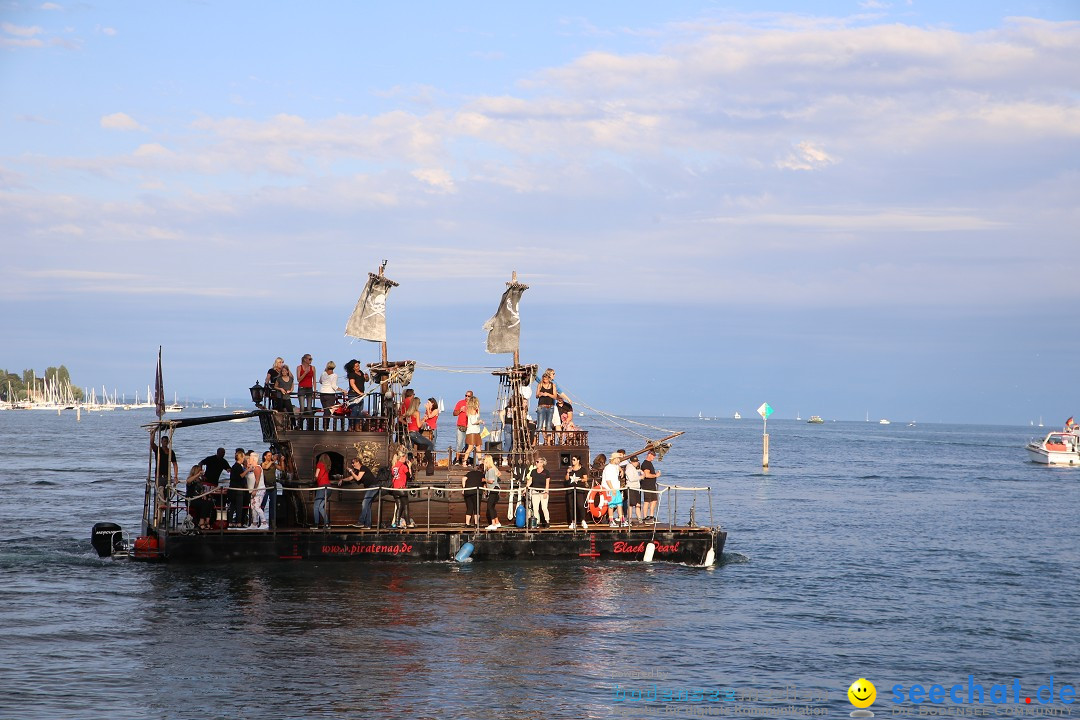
(690, 546)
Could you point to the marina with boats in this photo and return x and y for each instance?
(425, 518)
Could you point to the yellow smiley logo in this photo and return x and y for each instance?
(862, 693)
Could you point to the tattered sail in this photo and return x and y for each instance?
(504, 327)
(368, 320)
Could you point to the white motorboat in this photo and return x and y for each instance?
(1057, 448)
(883, 421)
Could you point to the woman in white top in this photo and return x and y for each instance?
(328, 391)
(474, 426)
(633, 489)
(256, 488)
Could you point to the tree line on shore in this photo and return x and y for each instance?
(14, 386)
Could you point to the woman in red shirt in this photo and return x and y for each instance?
(322, 483)
(305, 387)
(399, 479)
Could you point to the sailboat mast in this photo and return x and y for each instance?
(517, 350)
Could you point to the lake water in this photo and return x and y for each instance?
(906, 555)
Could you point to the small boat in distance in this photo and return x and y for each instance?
(883, 421)
(737, 415)
(175, 407)
(815, 420)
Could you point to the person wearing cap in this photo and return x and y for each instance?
(538, 481)
(328, 391)
(609, 480)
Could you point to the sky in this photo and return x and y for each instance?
(847, 209)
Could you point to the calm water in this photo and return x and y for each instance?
(906, 555)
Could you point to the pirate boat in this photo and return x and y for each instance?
(436, 497)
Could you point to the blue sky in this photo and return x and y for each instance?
(837, 207)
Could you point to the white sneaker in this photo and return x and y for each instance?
(570, 526)
(584, 525)
(492, 526)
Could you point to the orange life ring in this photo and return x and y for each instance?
(602, 498)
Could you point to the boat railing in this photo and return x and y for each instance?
(177, 521)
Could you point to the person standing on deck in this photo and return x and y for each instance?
(474, 426)
(649, 474)
(270, 465)
(213, 466)
(612, 487)
(491, 485)
(577, 487)
(256, 489)
(271, 382)
(238, 507)
(473, 483)
(305, 388)
(356, 379)
(633, 490)
(166, 458)
(284, 390)
(328, 392)
(361, 473)
(545, 403)
(399, 480)
(462, 418)
(322, 483)
(539, 481)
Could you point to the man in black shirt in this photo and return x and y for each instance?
(238, 492)
(649, 473)
(213, 466)
(472, 482)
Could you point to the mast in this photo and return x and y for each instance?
(382, 345)
(517, 350)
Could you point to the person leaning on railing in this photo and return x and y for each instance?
(305, 387)
(284, 389)
(328, 392)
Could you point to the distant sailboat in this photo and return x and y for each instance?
(737, 415)
(176, 406)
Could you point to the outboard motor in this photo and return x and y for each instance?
(107, 538)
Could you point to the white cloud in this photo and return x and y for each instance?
(20, 30)
(50, 6)
(809, 137)
(120, 121)
(806, 156)
(437, 178)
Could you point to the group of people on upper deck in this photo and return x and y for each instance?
(554, 412)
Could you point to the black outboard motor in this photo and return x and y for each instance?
(107, 538)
